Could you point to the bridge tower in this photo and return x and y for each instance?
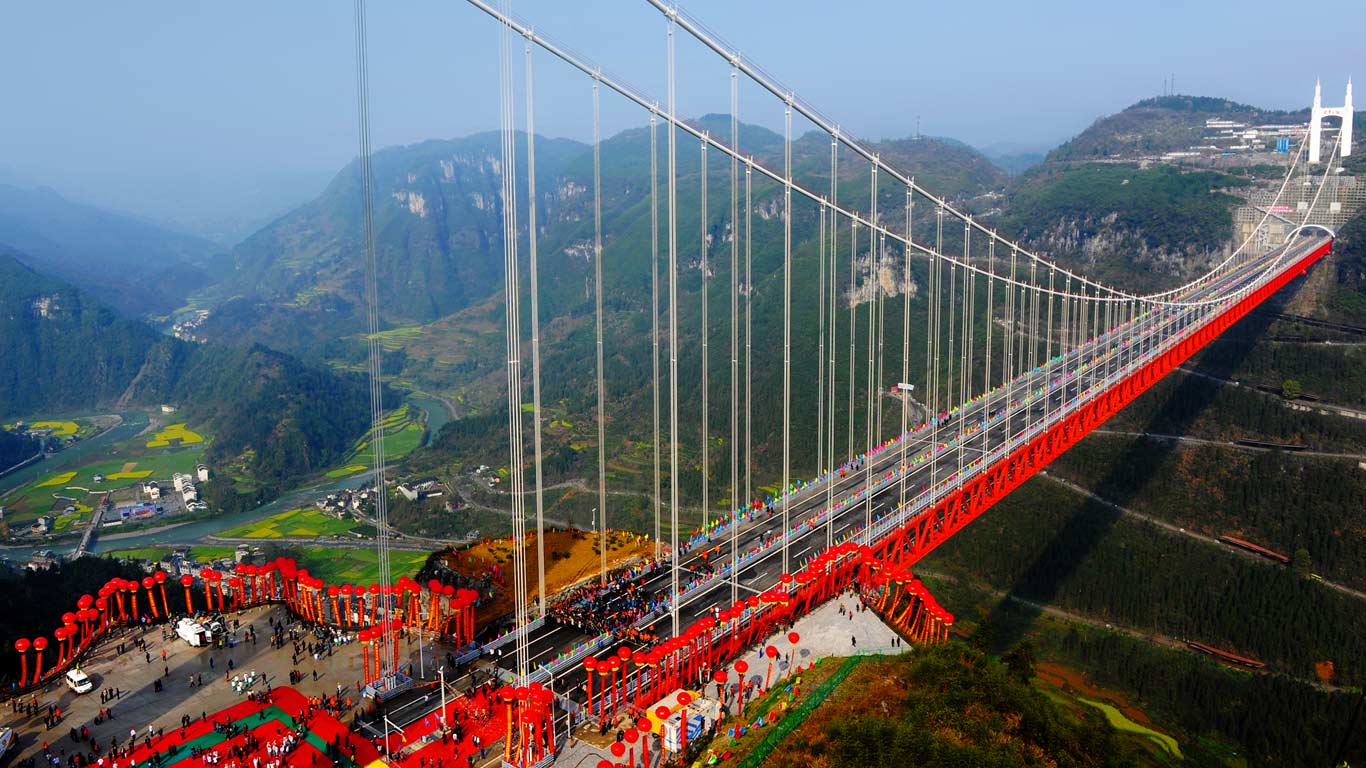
(1316, 122)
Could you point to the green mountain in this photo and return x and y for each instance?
(1157, 125)
(437, 239)
(136, 268)
(1140, 227)
(438, 227)
(297, 284)
(16, 447)
(1101, 203)
(64, 350)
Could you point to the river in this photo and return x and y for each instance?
(437, 413)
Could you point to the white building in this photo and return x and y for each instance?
(202, 472)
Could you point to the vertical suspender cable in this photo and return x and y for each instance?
(871, 374)
(787, 325)
(935, 311)
(1033, 336)
(372, 316)
(1010, 336)
(654, 310)
(1048, 321)
(820, 348)
(706, 412)
(830, 349)
(820, 344)
(853, 325)
(597, 323)
(905, 345)
(736, 502)
(991, 320)
(951, 401)
(673, 344)
(965, 349)
(517, 468)
(881, 318)
(535, 331)
(749, 333)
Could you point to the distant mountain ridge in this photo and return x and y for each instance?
(1160, 124)
(438, 227)
(64, 350)
(138, 268)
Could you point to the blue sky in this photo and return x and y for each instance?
(187, 101)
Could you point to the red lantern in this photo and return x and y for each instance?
(631, 735)
(661, 712)
(793, 637)
(771, 652)
(22, 645)
(618, 749)
(719, 676)
(39, 645)
(742, 666)
(684, 698)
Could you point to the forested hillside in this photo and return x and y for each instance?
(16, 447)
(950, 705)
(62, 349)
(65, 351)
(1137, 227)
(1110, 562)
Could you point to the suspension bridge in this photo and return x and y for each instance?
(1021, 357)
(996, 360)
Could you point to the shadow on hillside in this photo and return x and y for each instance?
(1010, 620)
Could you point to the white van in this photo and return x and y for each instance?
(78, 681)
(192, 632)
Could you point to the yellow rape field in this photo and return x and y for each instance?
(179, 432)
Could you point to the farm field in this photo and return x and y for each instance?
(177, 434)
(122, 465)
(403, 431)
(1069, 687)
(344, 565)
(59, 428)
(155, 554)
(79, 427)
(296, 523)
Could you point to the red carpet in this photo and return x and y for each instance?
(285, 708)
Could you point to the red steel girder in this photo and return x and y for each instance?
(919, 536)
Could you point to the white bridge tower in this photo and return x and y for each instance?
(1316, 122)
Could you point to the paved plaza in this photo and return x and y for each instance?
(194, 682)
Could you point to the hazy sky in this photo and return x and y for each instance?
(117, 101)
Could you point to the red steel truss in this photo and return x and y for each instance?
(919, 536)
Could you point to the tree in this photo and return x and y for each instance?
(1291, 389)
(1020, 661)
(1301, 563)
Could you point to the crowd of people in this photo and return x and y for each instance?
(612, 607)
